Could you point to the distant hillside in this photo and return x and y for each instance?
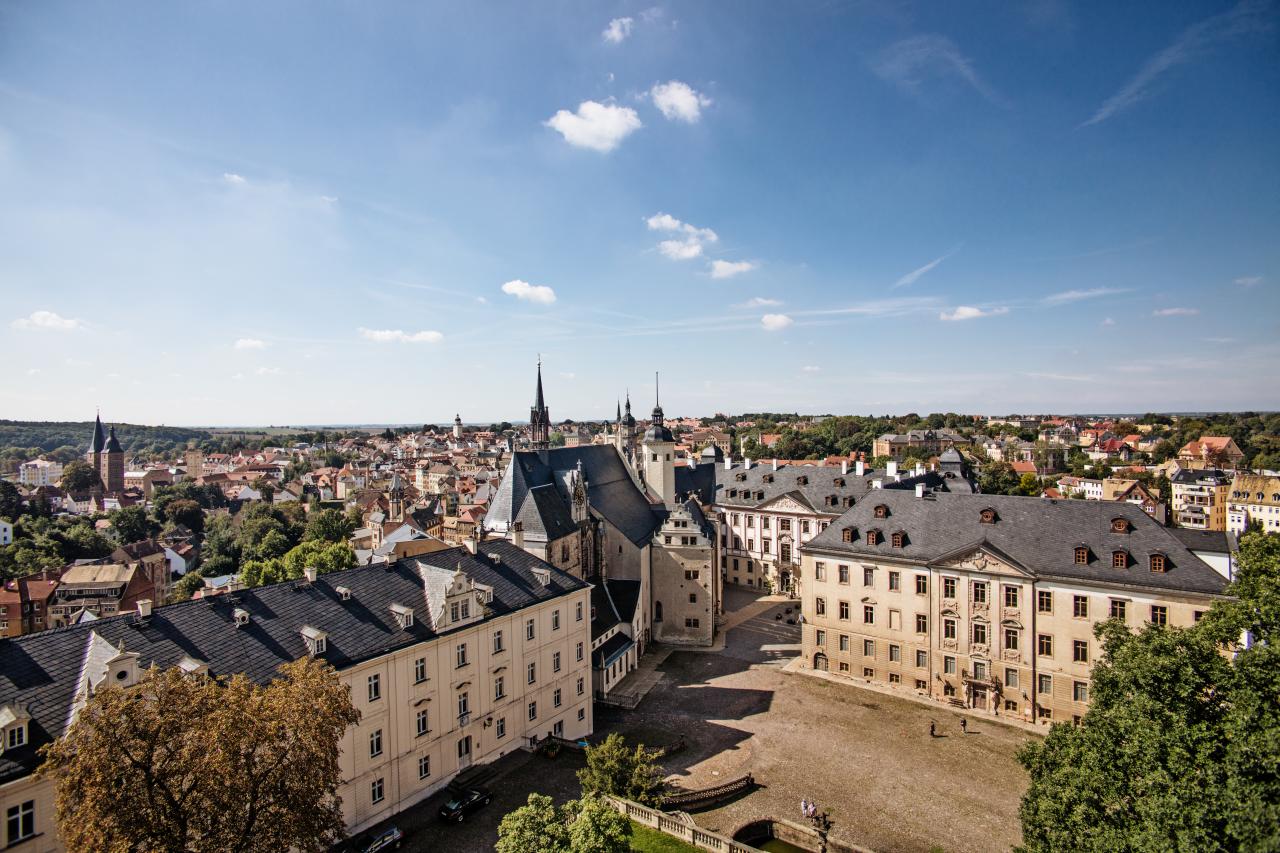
(66, 440)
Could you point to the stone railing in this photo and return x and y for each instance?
(677, 828)
(704, 796)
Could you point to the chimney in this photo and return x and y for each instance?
(728, 463)
(877, 484)
(775, 463)
(844, 467)
(892, 468)
(144, 608)
(310, 573)
(919, 490)
(919, 468)
(746, 463)
(860, 468)
(470, 544)
(517, 534)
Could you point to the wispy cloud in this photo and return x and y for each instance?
(909, 62)
(968, 312)
(618, 30)
(728, 269)
(1068, 296)
(688, 245)
(1175, 312)
(775, 322)
(268, 371)
(1249, 280)
(679, 101)
(811, 368)
(233, 179)
(761, 302)
(1246, 18)
(396, 336)
(1060, 377)
(600, 127)
(913, 276)
(1220, 340)
(47, 321)
(539, 293)
(1107, 321)
(250, 343)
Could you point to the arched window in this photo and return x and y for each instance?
(1120, 559)
(1157, 563)
(1082, 555)
(899, 539)
(657, 611)
(873, 537)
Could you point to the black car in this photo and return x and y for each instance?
(464, 802)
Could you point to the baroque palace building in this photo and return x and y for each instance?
(452, 658)
(989, 602)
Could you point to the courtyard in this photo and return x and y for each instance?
(865, 757)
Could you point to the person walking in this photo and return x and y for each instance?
(964, 724)
(804, 808)
(933, 729)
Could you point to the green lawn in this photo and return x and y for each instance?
(646, 840)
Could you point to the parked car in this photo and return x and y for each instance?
(464, 802)
(388, 839)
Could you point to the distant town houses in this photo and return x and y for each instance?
(1211, 451)
(39, 472)
(1253, 499)
(928, 442)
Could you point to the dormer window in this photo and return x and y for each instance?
(1119, 559)
(899, 539)
(768, 478)
(317, 641)
(873, 537)
(343, 593)
(403, 614)
(988, 516)
(1158, 563)
(740, 477)
(802, 481)
(847, 534)
(1082, 555)
(831, 500)
(759, 495)
(14, 720)
(1119, 525)
(838, 482)
(733, 493)
(542, 576)
(192, 667)
(240, 616)
(848, 501)
(882, 511)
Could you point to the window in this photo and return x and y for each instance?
(1080, 691)
(1120, 560)
(751, 521)
(873, 537)
(1010, 677)
(980, 632)
(804, 527)
(1044, 684)
(499, 687)
(582, 714)
(419, 670)
(462, 654)
(894, 678)
(868, 576)
(533, 710)
(844, 642)
(1080, 651)
(17, 736)
(980, 592)
(820, 638)
(948, 587)
(581, 685)
(21, 822)
(555, 662)
(424, 766)
(1159, 614)
(895, 654)
(422, 723)
(577, 617)
(764, 522)
(979, 670)
(844, 574)
(847, 534)
(501, 726)
(1044, 646)
(497, 642)
(899, 539)
(784, 525)
(1080, 606)
(375, 743)
(1011, 639)
(691, 574)
(895, 581)
(533, 673)
(869, 648)
(922, 584)
(376, 791)
(949, 665)
(868, 614)
(528, 630)
(922, 623)
(819, 571)
(693, 598)
(1011, 597)
(844, 611)
(922, 658)
(555, 698)
(555, 620)
(1044, 601)
(464, 707)
(578, 651)
(1157, 562)
(1082, 555)
(820, 606)
(1119, 609)
(921, 685)
(948, 629)
(375, 687)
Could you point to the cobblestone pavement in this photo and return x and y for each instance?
(865, 757)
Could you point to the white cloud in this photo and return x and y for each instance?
(250, 343)
(233, 179)
(33, 371)
(539, 293)
(679, 101)
(600, 127)
(47, 321)
(811, 368)
(1249, 280)
(908, 62)
(728, 269)
(568, 376)
(268, 371)
(1107, 321)
(1068, 296)
(389, 336)
(687, 247)
(911, 277)
(1221, 340)
(618, 30)
(1060, 377)
(761, 302)
(1175, 312)
(775, 322)
(968, 312)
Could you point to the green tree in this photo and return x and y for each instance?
(1029, 484)
(204, 764)
(325, 556)
(628, 772)
(598, 828)
(131, 524)
(536, 827)
(10, 500)
(188, 513)
(79, 476)
(1180, 748)
(187, 586)
(999, 478)
(329, 525)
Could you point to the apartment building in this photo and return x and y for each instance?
(452, 659)
(40, 472)
(929, 442)
(1200, 498)
(989, 602)
(1253, 498)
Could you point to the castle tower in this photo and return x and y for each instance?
(539, 418)
(96, 445)
(457, 427)
(659, 449)
(395, 510)
(112, 470)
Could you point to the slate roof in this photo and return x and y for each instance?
(700, 480)
(41, 670)
(611, 650)
(611, 491)
(1038, 534)
(1214, 541)
(820, 483)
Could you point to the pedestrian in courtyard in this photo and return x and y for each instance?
(964, 725)
(804, 808)
(933, 729)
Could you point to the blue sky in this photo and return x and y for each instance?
(216, 213)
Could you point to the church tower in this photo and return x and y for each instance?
(97, 445)
(457, 427)
(659, 450)
(539, 418)
(395, 499)
(112, 470)
(626, 432)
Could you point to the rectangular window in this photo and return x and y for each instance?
(820, 606)
(843, 572)
(375, 743)
(555, 698)
(1044, 601)
(948, 587)
(922, 623)
(693, 598)
(555, 662)
(1010, 677)
(819, 571)
(528, 630)
(894, 678)
(895, 620)
(1159, 614)
(1080, 651)
(820, 638)
(868, 672)
(533, 673)
(980, 632)
(499, 688)
(419, 670)
(375, 687)
(1080, 606)
(1011, 596)
(1119, 609)
(1044, 646)
(1044, 684)
(764, 522)
(462, 654)
(868, 614)
(581, 685)
(21, 821)
(922, 658)
(533, 710)
(949, 665)
(922, 584)
(868, 576)
(869, 648)
(376, 791)
(1080, 691)
(844, 611)
(577, 615)
(501, 726)
(424, 766)
(979, 670)
(422, 723)
(895, 581)
(895, 653)
(555, 620)
(578, 651)
(1011, 639)
(844, 642)
(497, 642)
(948, 629)
(980, 592)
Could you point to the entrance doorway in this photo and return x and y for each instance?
(820, 662)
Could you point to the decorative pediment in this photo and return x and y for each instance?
(790, 502)
(982, 558)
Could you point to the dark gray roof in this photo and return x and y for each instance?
(1191, 476)
(545, 513)
(701, 481)
(611, 650)
(1215, 541)
(99, 439)
(625, 595)
(611, 491)
(604, 615)
(41, 671)
(1037, 534)
(819, 482)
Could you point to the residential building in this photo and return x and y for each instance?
(1211, 451)
(40, 472)
(98, 590)
(453, 659)
(929, 442)
(987, 601)
(1253, 498)
(1200, 498)
(6, 532)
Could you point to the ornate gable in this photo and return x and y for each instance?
(982, 558)
(790, 502)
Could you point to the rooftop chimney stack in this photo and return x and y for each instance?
(860, 468)
(746, 463)
(310, 573)
(844, 467)
(775, 463)
(728, 463)
(517, 534)
(892, 468)
(144, 608)
(470, 544)
(877, 483)
(919, 490)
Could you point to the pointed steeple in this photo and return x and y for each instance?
(113, 443)
(539, 418)
(538, 402)
(99, 440)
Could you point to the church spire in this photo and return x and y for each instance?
(539, 417)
